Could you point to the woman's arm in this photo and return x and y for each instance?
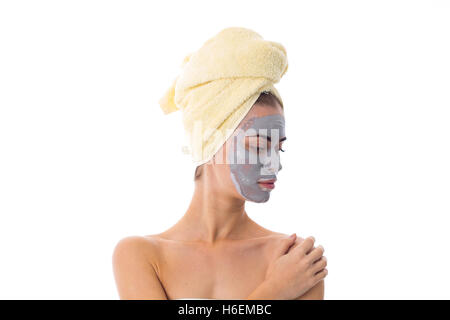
(315, 293)
(293, 275)
(134, 273)
(266, 292)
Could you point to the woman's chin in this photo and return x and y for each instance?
(261, 197)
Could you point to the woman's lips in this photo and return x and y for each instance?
(268, 184)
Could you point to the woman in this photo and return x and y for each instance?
(215, 251)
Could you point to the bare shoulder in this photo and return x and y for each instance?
(271, 243)
(134, 244)
(136, 269)
(283, 235)
(277, 237)
(137, 248)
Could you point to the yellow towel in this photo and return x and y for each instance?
(219, 84)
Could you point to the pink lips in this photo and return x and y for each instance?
(268, 184)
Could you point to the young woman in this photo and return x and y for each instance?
(234, 117)
(216, 251)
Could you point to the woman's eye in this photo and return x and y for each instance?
(256, 144)
(258, 147)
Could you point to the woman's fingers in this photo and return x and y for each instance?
(303, 248)
(320, 275)
(313, 257)
(316, 253)
(319, 264)
(286, 244)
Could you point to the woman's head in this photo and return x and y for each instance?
(250, 155)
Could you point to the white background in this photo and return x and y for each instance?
(87, 156)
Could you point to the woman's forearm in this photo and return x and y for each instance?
(265, 291)
(269, 291)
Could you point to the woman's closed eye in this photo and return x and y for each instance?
(258, 144)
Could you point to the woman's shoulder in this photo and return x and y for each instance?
(270, 234)
(136, 246)
(281, 235)
(276, 237)
(273, 241)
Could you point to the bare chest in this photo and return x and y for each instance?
(226, 273)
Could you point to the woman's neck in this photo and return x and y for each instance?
(215, 214)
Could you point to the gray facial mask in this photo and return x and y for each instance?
(249, 166)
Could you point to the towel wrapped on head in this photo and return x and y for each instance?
(219, 84)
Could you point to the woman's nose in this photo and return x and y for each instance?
(272, 164)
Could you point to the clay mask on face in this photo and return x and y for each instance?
(247, 166)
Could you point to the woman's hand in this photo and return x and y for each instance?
(298, 268)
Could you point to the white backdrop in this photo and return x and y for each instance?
(366, 168)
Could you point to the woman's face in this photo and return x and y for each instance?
(253, 153)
